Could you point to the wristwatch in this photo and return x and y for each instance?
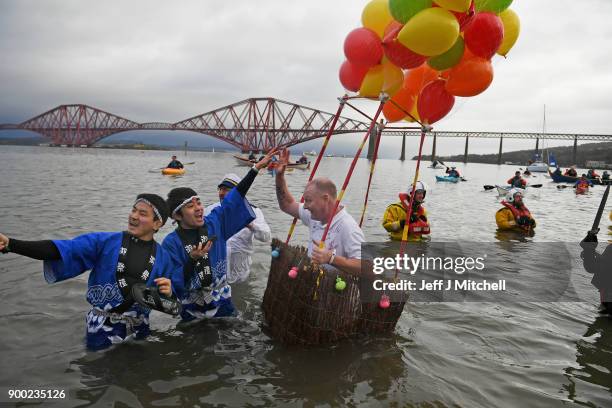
(333, 256)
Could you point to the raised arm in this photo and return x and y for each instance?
(286, 202)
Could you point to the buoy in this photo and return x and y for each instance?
(275, 253)
(340, 284)
(293, 272)
(384, 302)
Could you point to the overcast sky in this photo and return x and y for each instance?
(169, 60)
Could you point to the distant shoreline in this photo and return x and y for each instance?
(599, 152)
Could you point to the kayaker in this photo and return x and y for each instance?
(452, 172)
(175, 164)
(394, 218)
(252, 157)
(514, 216)
(302, 160)
(557, 171)
(240, 245)
(583, 183)
(599, 265)
(591, 174)
(117, 261)
(605, 176)
(342, 249)
(198, 246)
(571, 172)
(517, 181)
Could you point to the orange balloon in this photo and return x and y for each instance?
(470, 77)
(416, 79)
(403, 98)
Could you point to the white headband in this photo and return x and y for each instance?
(184, 203)
(143, 200)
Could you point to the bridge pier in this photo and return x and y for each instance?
(374, 135)
(575, 151)
(499, 155)
(433, 148)
(537, 144)
(465, 154)
(403, 155)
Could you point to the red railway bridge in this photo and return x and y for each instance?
(255, 124)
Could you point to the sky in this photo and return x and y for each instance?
(166, 61)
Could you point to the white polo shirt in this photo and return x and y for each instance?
(344, 234)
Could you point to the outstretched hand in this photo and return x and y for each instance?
(4, 241)
(263, 163)
(281, 165)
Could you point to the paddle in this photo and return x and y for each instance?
(463, 179)
(592, 234)
(535, 185)
(488, 187)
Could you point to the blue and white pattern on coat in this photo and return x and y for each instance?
(101, 294)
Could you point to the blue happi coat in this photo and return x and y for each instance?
(98, 252)
(231, 216)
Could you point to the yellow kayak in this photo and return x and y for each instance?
(173, 172)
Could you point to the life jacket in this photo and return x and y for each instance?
(418, 220)
(517, 181)
(517, 212)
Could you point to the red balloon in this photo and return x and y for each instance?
(351, 75)
(465, 18)
(396, 52)
(363, 47)
(484, 35)
(434, 102)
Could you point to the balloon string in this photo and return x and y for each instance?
(359, 111)
(407, 113)
(411, 201)
(372, 168)
(319, 157)
(350, 172)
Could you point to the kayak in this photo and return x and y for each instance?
(503, 190)
(172, 172)
(448, 179)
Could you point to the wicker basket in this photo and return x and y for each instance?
(309, 310)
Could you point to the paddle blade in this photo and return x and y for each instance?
(488, 187)
(535, 185)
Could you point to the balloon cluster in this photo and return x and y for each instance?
(424, 53)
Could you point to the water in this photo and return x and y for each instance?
(453, 354)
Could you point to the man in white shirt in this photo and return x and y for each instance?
(240, 245)
(342, 249)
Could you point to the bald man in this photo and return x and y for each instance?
(342, 248)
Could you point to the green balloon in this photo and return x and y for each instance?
(404, 10)
(340, 285)
(494, 6)
(450, 58)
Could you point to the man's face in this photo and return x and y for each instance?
(419, 196)
(141, 221)
(173, 157)
(316, 203)
(223, 191)
(190, 216)
(518, 199)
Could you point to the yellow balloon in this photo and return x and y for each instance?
(454, 5)
(512, 28)
(373, 82)
(430, 32)
(414, 112)
(376, 16)
(394, 78)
